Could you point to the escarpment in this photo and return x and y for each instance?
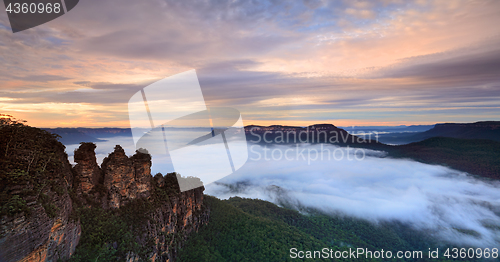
(36, 215)
(159, 216)
(170, 223)
(126, 178)
(52, 211)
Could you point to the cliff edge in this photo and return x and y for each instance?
(51, 211)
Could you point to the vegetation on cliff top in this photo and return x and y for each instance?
(32, 161)
(476, 156)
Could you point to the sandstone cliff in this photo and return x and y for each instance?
(35, 180)
(48, 206)
(162, 223)
(87, 168)
(168, 225)
(126, 178)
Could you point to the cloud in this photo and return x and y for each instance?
(42, 78)
(344, 59)
(91, 96)
(477, 65)
(428, 197)
(360, 13)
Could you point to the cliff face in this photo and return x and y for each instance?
(126, 178)
(89, 173)
(169, 224)
(43, 197)
(35, 180)
(39, 237)
(171, 215)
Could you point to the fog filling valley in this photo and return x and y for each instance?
(452, 205)
(434, 198)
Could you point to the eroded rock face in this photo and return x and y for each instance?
(126, 178)
(171, 223)
(176, 215)
(38, 237)
(142, 174)
(87, 170)
(46, 233)
(118, 176)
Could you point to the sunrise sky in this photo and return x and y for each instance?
(278, 62)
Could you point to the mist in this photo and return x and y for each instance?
(456, 207)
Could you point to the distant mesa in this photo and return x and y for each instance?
(318, 133)
(478, 130)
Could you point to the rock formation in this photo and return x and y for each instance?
(38, 219)
(126, 178)
(39, 237)
(89, 173)
(170, 224)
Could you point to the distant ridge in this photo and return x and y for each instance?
(478, 130)
(475, 156)
(401, 128)
(77, 135)
(317, 133)
(72, 135)
(282, 127)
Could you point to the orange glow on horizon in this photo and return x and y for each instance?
(343, 123)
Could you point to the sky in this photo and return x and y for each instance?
(278, 62)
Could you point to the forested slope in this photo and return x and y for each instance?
(475, 156)
(255, 230)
